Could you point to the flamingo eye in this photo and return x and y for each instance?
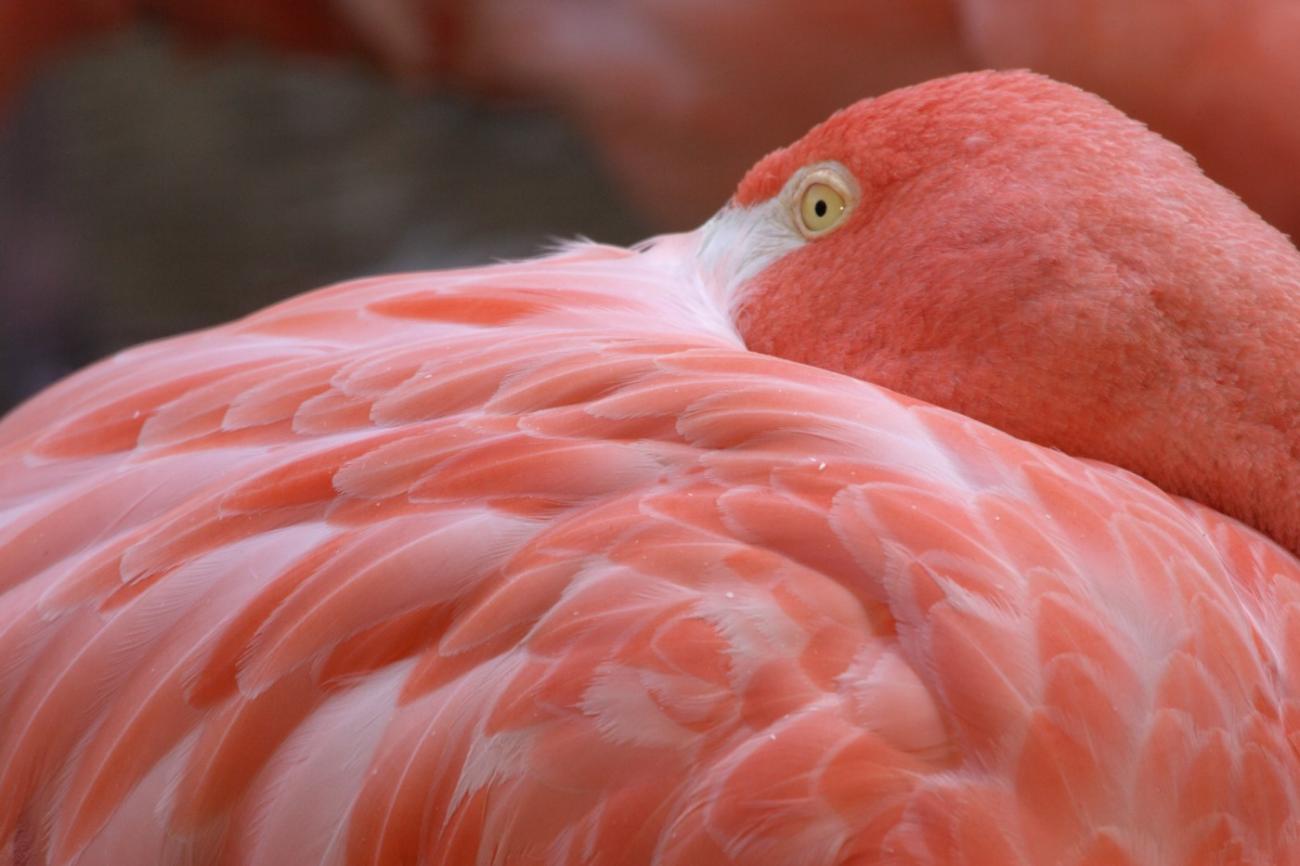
(822, 204)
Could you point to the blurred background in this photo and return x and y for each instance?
(169, 164)
(144, 193)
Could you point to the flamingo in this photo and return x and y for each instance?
(933, 503)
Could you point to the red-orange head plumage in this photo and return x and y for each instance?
(1025, 254)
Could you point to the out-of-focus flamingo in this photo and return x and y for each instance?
(670, 91)
(550, 563)
(682, 95)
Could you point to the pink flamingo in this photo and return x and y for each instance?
(573, 561)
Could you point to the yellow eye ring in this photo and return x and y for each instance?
(822, 205)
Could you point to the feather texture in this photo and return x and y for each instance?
(543, 596)
(538, 564)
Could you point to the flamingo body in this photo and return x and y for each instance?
(539, 564)
(510, 566)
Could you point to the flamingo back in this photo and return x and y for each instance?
(534, 564)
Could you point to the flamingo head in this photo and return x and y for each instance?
(1019, 251)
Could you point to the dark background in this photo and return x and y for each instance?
(144, 192)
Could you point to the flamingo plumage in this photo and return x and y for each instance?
(561, 561)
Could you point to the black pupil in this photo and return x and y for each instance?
(820, 207)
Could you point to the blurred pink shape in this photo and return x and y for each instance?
(680, 95)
